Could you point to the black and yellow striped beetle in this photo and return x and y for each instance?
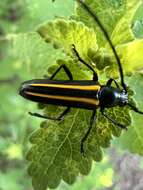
(87, 94)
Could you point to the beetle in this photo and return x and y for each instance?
(87, 94)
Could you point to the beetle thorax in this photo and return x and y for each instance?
(110, 97)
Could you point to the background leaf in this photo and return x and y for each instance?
(110, 14)
(132, 139)
(138, 29)
(132, 56)
(65, 33)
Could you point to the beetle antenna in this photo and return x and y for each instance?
(134, 108)
(94, 16)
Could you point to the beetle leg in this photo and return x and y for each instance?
(113, 121)
(60, 117)
(109, 82)
(92, 120)
(95, 76)
(135, 109)
(66, 69)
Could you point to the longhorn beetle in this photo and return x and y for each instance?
(87, 94)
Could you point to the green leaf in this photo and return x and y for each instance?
(138, 29)
(122, 33)
(31, 53)
(99, 171)
(64, 33)
(112, 15)
(44, 10)
(105, 10)
(132, 56)
(10, 176)
(132, 140)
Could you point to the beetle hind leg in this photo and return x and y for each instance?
(92, 120)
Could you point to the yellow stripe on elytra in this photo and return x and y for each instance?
(88, 87)
(76, 99)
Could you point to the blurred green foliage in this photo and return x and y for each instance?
(19, 20)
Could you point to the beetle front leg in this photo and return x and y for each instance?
(112, 120)
(95, 76)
